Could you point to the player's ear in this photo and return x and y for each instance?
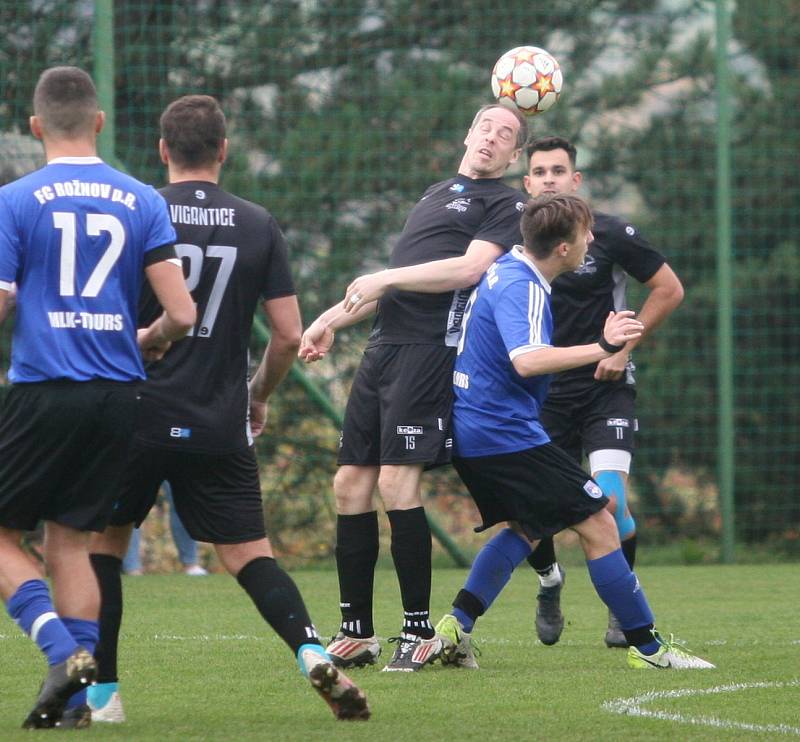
(223, 152)
(577, 179)
(526, 182)
(35, 124)
(163, 152)
(99, 121)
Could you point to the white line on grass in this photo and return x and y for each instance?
(208, 638)
(633, 707)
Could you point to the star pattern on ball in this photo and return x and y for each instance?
(525, 55)
(508, 87)
(544, 84)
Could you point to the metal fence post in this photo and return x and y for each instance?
(725, 424)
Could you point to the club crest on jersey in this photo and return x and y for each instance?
(593, 490)
(457, 187)
(459, 204)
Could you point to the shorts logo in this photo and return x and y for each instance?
(593, 490)
(448, 442)
(618, 422)
(409, 430)
(459, 204)
(180, 432)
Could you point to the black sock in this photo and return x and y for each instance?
(279, 601)
(356, 556)
(108, 570)
(639, 637)
(469, 604)
(411, 552)
(543, 556)
(629, 550)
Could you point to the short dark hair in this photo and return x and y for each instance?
(548, 144)
(551, 219)
(193, 128)
(522, 132)
(65, 101)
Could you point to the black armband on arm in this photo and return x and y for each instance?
(609, 347)
(158, 254)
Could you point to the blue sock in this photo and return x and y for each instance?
(491, 570)
(85, 633)
(619, 589)
(317, 648)
(32, 609)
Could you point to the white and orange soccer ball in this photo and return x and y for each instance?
(527, 78)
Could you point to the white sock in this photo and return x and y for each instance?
(551, 577)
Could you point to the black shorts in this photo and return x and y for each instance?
(63, 447)
(540, 488)
(216, 496)
(600, 417)
(400, 407)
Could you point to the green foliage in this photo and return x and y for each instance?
(341, 113)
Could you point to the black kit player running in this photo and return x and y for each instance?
(198, 413)
(195, 405)
(397, 421)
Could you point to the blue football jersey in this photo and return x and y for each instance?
(496, 410)
(73, 235)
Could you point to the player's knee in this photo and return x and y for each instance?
(613, 486)
(599, 532)
(399, 487)
(352, 488)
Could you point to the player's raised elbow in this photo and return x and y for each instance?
(289, 341)
(470, 271)
(677, 294)
(528, 364)
(668, 286)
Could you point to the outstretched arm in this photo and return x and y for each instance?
(434, 277)
(318, 337)
(666, 294)
(620, 328)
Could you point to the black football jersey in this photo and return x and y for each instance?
(441, 225)
(234, 254)
(582, 299)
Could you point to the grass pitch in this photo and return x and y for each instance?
(198, 663)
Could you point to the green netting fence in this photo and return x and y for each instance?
(340, 113)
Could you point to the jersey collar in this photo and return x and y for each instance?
(75, 161)
(518, 254)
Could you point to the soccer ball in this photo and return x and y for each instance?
(528, 79)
